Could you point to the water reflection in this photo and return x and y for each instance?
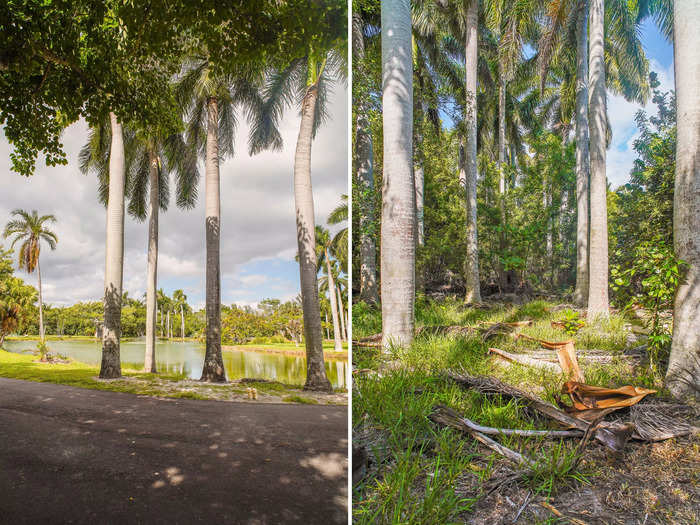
(187, 358)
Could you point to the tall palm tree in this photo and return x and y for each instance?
(339, 215)
(364, 154)
(683, 377)
(598, 255)
(30, 229)
(181, 304)
(621, 59)
(324, 248)
(212, 100)
(150, 160)
(398, 247)
(306, 82)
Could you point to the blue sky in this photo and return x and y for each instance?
(620, 157)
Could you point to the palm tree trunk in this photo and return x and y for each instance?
(468, 172)
(582, 157)
(337, 334)
(365, 177)
(149, 364)
(683, 377)
(213, 369)
(502, 277)
(328, 335)
(182, 321)
(306, 241)
(114, 255)
(341, 313)
(419, 188)
(41, 302)
(168, 327)
(598, 256)
(398, 247)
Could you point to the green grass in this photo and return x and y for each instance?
(421, 465)
(75, 373)
(300, 399)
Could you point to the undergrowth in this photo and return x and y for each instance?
(424, 473)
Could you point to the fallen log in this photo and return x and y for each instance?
(527, 361)
(613, 436)
(446, 416)
(492, 431)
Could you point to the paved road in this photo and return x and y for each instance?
(72, 455)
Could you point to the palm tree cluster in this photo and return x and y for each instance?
(498, 74)
(135, 166)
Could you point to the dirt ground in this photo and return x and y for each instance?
(649, 483)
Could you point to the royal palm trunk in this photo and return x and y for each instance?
(341, 312)
(598, 256)
(468, 172)
(337, 334)
(152, 272)
(114, 255)
(398, 247)
(213, 369)
(306, 241)
(582, 165)
(41, 301)
(182, 322)
(683, 377)
(365, 176)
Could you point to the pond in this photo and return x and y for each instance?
(187, 358)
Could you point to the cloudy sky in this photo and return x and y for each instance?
(258, 241)
(621, 154)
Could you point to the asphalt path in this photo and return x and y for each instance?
(73, 455)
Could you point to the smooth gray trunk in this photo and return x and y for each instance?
(149, 364)
(398, 247)
(110, 366)
(306, 242)
(683, 377)
(341, 312)
(582, 157)
(182, 322)
(337, 334)
(213, 369)
(365, 176)
(41, 301)
(468, 171)
(598, 255)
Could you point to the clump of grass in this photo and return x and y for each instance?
(300, 399)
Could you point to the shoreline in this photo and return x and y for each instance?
(291, 351)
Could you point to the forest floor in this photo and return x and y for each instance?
(419, 472)
(74, 373)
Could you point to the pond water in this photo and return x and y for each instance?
(187, 358)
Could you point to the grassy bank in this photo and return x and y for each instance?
(74, 373)
(423, 473)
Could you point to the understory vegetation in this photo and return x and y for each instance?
(420, 472)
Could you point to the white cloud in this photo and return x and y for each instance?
(257, 224)
(621, 155)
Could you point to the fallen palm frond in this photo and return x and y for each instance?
(566, 355)
(585, 397)
(614, 436)
(551, 345)
(661, 421)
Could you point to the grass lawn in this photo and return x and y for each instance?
(420, 472)
(74, 373)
